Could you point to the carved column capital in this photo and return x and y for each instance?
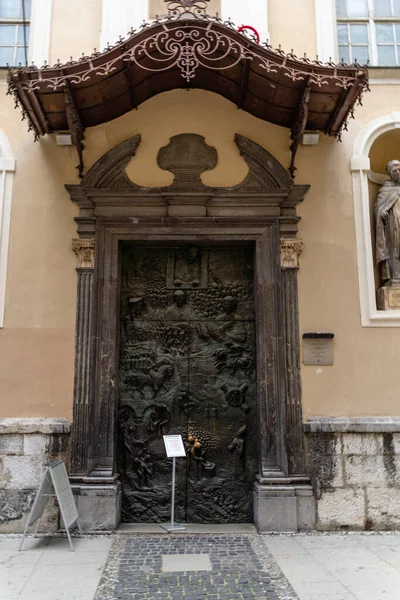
(84, 250)
(291, 249)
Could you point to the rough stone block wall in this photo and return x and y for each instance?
(26, 446)
(356, 478)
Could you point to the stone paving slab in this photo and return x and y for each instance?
(340, 566)
(241, 569)
(46, 569)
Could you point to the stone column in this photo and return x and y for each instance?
(98, 496)
(286, 502)
(290, 253)
(84, 250)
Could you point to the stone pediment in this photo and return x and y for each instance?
(187, 156)
(267, 191)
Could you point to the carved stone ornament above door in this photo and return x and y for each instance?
(268, 188)
(187, 156)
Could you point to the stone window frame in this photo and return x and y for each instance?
(39, 39)
(40, 31)
(325, 21)
(18, 23)
(371, 20)
(360, 168)
(118, 16)
(327, 46)
(7, 169)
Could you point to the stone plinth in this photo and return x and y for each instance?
(286, 507)
(388, 297)
(99, 505)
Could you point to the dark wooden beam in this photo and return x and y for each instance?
(39, 111)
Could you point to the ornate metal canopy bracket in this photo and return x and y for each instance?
(299, 125)
(39, 123)
(75, 126)
(130, 82)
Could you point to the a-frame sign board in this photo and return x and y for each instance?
(55, 482)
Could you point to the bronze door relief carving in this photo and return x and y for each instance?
(187, 365)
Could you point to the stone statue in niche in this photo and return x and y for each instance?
(387, 247)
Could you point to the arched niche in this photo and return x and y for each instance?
(373, 147)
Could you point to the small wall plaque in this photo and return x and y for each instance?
(318, 348)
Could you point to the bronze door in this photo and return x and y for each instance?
(187, 365)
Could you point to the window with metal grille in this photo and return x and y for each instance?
(14, 31)
(368, 31)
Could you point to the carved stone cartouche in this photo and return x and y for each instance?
(187, 156)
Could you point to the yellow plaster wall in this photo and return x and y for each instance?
(37, 342)
(41, 278)
(363, 380)
(292, 26)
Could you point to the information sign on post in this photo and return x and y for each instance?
(174, 446)
(55, 482)
(175, 449)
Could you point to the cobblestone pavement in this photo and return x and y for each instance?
(162, 567)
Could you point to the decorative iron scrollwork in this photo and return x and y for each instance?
(182, 8)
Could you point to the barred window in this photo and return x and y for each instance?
(369, 31)
(14, 31)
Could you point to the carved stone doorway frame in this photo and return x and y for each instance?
(260, 211)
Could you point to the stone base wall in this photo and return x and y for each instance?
(26, 446)
(355, 469)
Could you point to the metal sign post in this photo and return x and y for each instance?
(174, 448)
(55, 482)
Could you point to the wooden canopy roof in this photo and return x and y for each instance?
(188, 51)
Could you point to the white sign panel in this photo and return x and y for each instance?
(42, 497)
(174, 446)
(64, 493)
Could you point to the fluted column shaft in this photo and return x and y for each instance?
(84, 250)
(290, 252)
